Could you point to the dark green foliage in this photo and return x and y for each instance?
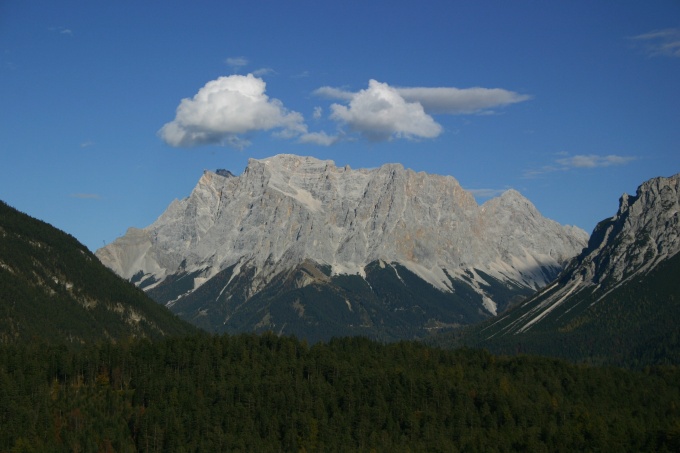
(390, 303)
(634, 325)
(52, 287)
(268, 393)
(417, 302)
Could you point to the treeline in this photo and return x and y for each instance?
(269, 393)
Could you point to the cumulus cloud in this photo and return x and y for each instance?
(225, 109)
(664, 42)
(381, 113)
(579, 161)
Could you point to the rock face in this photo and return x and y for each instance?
(644, 232)
(288, 211)
(608, 295)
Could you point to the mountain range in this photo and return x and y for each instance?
(617, 302)
(614, 302)
(300, 246)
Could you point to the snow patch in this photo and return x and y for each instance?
(490, 305)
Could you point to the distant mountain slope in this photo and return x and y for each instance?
(618, 301)
(298, 245)
(53, 288)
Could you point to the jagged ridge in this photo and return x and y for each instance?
(613, 289)
(285, 210)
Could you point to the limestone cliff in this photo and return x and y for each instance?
(287, 210)
(617, 301)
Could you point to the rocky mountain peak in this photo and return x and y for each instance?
(301, 207)
(287, 210)
(643, 232)
(617, 301)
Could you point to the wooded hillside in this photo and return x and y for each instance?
(268, 393)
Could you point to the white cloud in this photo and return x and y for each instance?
(319, 138)
(592, 161)
(664, 42)
(442, 99)
(579, 161)
(460, 101)
(263, 72)
(334, 93)
(226, 108)
(381, 113)
(236, 62)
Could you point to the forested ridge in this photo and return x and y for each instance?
(268, 393)
(52, 287)
(633, 326)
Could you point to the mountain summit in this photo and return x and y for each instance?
(617, 301)
(291, 222)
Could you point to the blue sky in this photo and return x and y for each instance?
(110, 110)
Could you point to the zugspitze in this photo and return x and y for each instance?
(299, 246)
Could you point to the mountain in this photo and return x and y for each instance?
(53, 288)
(297, 245)
(618, 301)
